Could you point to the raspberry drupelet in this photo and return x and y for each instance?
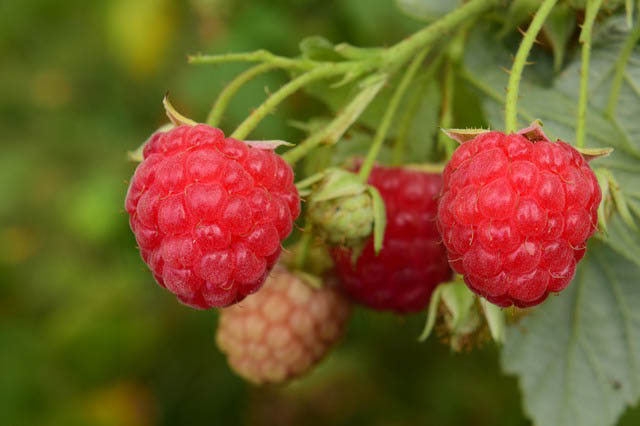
(209, 213)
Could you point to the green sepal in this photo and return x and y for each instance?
(317, 48)
(175, 117)
(495, 320)
(459, 301)
(432, 313)
(338, 183)
(379, 218)
(464, 135)
(605, 205)
(592, 153)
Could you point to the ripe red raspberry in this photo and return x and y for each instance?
(283, 330)
(412, 261)
(209, 213)
(516, 214)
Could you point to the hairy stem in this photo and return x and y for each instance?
(585, 38)
(274, 100)
(257, 56)
(621, 63)
(387, 118)
(219, 107)
(511, 110)
(336, 128)
(405, 49)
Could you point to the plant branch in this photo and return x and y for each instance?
(621, 63)
(274, 100)
(511, 110)
(585, 38)
(336, 128)
(387, 118)
(232, 88)
(402, 51)
(256, 56)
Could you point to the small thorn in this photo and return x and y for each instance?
(508, 71)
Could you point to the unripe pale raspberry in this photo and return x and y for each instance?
(209, 213)
(282, 331)
(412, 261)
(345, 221)
(516, 214)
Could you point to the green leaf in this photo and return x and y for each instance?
(379, 218)
(578, 355)
(426, 10)
(621, 240)
(559, 28)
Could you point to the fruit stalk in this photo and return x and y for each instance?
(274, 100)
(511, 109)
(219, 107)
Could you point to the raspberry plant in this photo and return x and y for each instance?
(516, 210)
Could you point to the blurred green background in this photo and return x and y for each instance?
(86, 337)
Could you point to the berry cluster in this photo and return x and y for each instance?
(515, 215)
(209, 213)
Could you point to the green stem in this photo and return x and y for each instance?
(446, 116)
(412, 109)
(304, 245)
(274, 100)
(232, 88)
(257, 56)
(585, 38)
(383, 128)
(621, 63)
(511, 110)
(336, 128)
(402, 51)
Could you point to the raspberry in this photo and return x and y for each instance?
(209, 213)
(280, 332)
(515, 215)
(412, 261)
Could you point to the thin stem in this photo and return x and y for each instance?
(511, 110)
(274, 100)
(412, 109)
(336, 128)
(256, 56)
(446, 116)
(585, 37)
(304, 245)
(232, 88)
(620, 65)
(383, 128)
(405, 49)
